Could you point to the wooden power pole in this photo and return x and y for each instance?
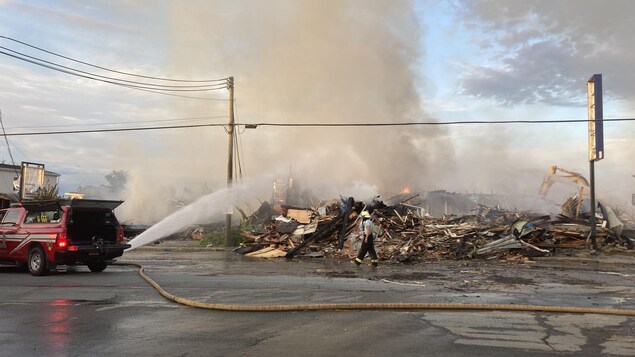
(230, 159)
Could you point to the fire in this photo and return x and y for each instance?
(405, 190)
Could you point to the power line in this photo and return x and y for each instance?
(111, 70)
(113, 81)
(466, 122)
(211, 84)
(238, 170)
(114, 130)
(249, 125)
(200, 87)
(180, 96)
(238, 146)
(119, 123)
(17, 147)
(7, 142)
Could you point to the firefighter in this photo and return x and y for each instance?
(368, 244)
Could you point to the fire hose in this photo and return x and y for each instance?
(379, 306)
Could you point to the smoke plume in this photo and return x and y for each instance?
(307, 62)
(318, 62)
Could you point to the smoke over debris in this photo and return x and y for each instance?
(323, 62)
(350, 61)
(317, 62)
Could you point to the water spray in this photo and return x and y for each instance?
(203, 210)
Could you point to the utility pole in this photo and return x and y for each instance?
(230, 158)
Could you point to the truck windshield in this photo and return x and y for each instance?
(11, 218)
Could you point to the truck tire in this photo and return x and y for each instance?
(37, 263)
(97, 267)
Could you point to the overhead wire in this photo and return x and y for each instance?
(239, 143)
(111, 70)
(440, 123)
(115, 130)
(201, 87)
(160, 86)
(6, 140)
(237, 167)
(235, 158)
(236, 115)
(17, 147)
(220, 84)
(115, 82)
(255, 125)
(120, 123)
(207, 84)
(181, 96)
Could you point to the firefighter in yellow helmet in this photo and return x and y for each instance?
(368, 240)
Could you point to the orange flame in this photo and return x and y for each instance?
(405, 190)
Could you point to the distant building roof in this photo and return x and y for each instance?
(74, 195)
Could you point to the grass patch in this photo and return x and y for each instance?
(217, 238)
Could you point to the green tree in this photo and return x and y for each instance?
(46, 193)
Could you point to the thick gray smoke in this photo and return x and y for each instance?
(360, 61)
(329, 61)
(293, 62)
(318, 62)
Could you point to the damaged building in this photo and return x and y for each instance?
(430, 226)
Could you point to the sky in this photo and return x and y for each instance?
(309, 61)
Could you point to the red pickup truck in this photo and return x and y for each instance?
(44, 234)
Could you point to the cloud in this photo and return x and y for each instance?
(536, 73)
(65, 16)
(544, 51)
(317, 62)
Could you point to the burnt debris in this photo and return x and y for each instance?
(406, 231)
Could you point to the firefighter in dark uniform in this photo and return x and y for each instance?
(368, 241)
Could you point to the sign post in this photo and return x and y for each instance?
(596, 139)
(31, 179)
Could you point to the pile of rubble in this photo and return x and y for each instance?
(405, 232)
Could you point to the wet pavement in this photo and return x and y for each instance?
(74, 312)
(593, 281)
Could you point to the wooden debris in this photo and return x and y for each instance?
(405, 232)
(301, 216)
(268, 252)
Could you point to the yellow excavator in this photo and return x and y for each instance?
(567, 177)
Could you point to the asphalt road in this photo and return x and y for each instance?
(77, 313)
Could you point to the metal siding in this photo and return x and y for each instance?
(6, 181)
(8, 174)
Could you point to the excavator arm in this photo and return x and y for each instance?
(567, 177)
